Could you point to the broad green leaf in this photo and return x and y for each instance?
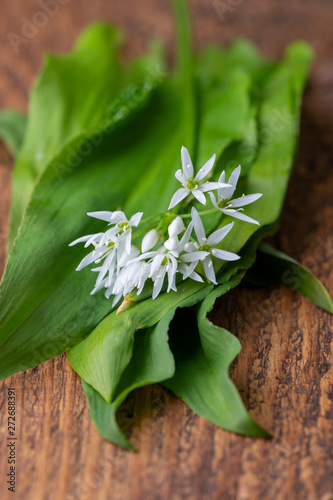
(184, 70)
(158, 180)
(203, 353)
(12, 130)
(224, 114)
(242, 152)
(151, 362)
(95, 170)
(52, 305)
(278, 130)
(214, 63)
(277, 90)
(72, 94)
(225, 88)
(102, 357)
(273, 267)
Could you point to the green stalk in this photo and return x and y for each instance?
(184, 68)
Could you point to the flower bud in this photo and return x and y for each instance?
(172, 243)
(149, 240)
(176, 227)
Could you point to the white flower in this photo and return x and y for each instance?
(165, 260)
(110, 251)
(208, 245)
(164, 263)
(193, 185)
(112, 247)
(226, 205)
(187, 270)
(177, 247)
(121, 279)
(188, 260)
(125, 225)
(149, 240)
(161, 262)
(122, 224)
(134, 275)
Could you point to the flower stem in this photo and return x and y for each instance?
(205, 212)
(150, 218)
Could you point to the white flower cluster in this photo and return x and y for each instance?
(124, 268)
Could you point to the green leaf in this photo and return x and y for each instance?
(224, 114)
(73, 93)
(102, 357)
(203, 353)
(12, 130)
(151, 362)
(109, 353)
(278, 131)
(52, 305)
(214, 63)
(184, 71)
(275, 267)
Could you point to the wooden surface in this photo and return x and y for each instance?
(284, 371)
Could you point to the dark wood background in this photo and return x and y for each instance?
(284, 371)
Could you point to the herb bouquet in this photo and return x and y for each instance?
(182, 173)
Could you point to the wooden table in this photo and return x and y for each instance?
(284, 372)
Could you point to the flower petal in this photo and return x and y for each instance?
(91, 257)
(217, 236)
(118, 216)
(116, 299)
(128, 240)
(220, 192)
(222, 177)
(233, 179)
(101, 215)
(209, 186)
(107, 266)
(158, 284)
(194, 256)
(186, 163)
(180, 176)
(135, 219)
(204, 171)
(99, 287)
(214, 200)
(209, 270)
(190, 247)
(83, 238)
(146, 255)
(185, 238)
(179, 195)
(172, 269)
(239, 215)
(245, 200)
(196, 277)
(156, 264)
(199, 196)
(186, 270)
(224, 255)
(198, 226)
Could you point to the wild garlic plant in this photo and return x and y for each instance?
(169, 250)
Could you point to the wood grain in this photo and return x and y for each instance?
(284, 372)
